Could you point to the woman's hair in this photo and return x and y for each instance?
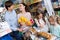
(26, 7)
(38, 13)
(58, 19)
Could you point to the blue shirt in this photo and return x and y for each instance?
(55, 30)
(11, 18)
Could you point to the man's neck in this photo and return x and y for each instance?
(10, 10)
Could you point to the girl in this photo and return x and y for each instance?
(41, 23)
(54, 27)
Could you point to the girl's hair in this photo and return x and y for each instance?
(38, 13)
(26, 7)
(58, 19)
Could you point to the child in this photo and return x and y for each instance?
(58, 20)
(41, 23)
(54, 27)
(11, 18)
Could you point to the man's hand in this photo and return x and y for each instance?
(20, 29)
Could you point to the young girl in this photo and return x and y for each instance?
(54, 27)
(41, 23)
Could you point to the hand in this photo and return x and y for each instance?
(22, 24)
(20, 29)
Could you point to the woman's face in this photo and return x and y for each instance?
(40, 16)
(21, 7)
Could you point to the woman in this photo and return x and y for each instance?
(26, 15)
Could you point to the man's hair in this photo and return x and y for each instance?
(8, 4)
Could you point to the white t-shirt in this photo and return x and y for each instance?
(45, 26)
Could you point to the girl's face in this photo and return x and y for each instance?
(40, 16)
(52, 22)
(21, 7)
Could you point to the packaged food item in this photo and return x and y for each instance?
(33, 30)
(44, 34)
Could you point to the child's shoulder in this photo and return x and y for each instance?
(58, 26)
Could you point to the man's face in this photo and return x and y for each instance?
(11, 7)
